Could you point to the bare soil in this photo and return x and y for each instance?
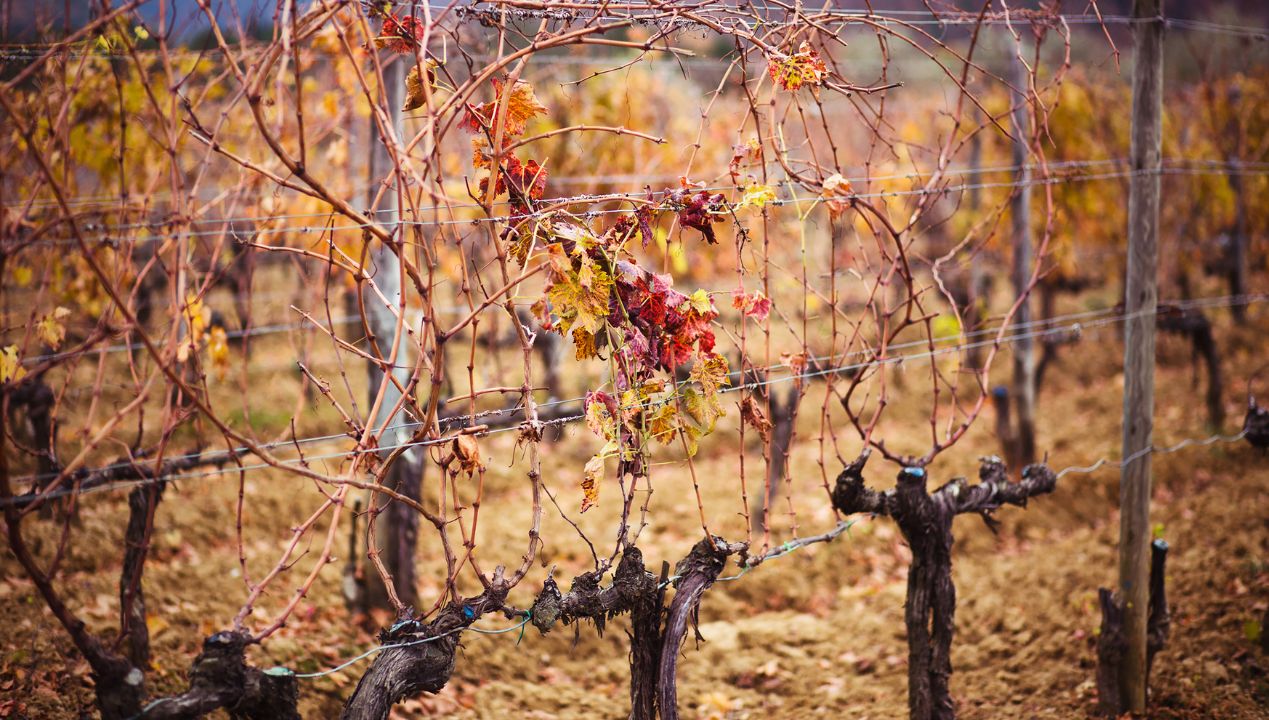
(818, 633)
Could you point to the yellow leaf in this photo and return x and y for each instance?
(757, 197)
(700, 302)
(22, 275)
(50, 328)
(11, 369)
(218, 350)
(155, 625)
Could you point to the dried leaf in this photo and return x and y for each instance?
(467, 451)
(753, 416)
(837, 192)
(414, 95)
(218, 350)
(592, 477)
(50, 328)
(522, 106)
(755, 304)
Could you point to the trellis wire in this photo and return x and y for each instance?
(789, 547)
(943, 190)
(1194, 303)
(894, 360)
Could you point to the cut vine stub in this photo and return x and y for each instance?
(1111, 643)
(1256, 425)
(925, 519)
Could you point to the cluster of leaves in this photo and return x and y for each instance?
(804, 67)
(523, 181)
(617, 311)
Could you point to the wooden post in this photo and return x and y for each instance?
(1023, 260)
(394, 528)
(1140, 302)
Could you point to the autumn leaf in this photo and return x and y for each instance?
(50, 328)
(755, 304)
(747, 152)
(703, 409)
(592, 476)
(11, 369)
(837, 192)
(804, 67)
(22, 275)
(579, 298)
(754, 417)
(400, 35)
(522, 106)
(601, 414)
(700, 302)
(757, 197)
(698, 210)
(467, 452)
(414, 95)
(218, 350)
(197, 316)
(584, 344)
(711, 372)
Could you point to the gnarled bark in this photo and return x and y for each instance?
(1111, 643)
(221, 678)
(926, 522)
(697, 572)
(419, 658)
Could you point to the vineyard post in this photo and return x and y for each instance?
(1023, 260)
(1140, 302)
(386, 269)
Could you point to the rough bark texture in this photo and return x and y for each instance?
(221, 678)
(926, 522)
(1112, 643)
(1256, 425)
(37, 399)
(587, 600)
(645, 649)
(696, 573)
(414, 663)
(142, 504)
(633, 590)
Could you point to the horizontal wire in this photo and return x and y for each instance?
(1152, 450)
(894, 360)
(942, 190)
(608, 179)
(782, 551)
(1220, 301)
(108, 200)
(1196, 303)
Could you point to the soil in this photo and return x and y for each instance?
(818, 633)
